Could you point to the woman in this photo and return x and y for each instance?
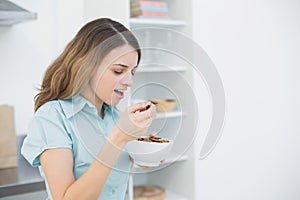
(76, 136)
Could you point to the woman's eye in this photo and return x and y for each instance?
(118, 71)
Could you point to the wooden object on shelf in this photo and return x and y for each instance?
(164, 105)
(149, 193)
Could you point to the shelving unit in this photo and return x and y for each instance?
(163, 74)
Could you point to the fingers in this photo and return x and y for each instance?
(143, 112)
(148, 112)
(152, 111)
(162, 161)
(152, 134)
(135, 121)
(138, 107)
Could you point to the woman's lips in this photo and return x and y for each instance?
(119, 93)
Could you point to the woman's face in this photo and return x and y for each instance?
(114, 75)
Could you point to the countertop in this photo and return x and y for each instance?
(22, 179)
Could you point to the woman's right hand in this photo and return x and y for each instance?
(135, 121)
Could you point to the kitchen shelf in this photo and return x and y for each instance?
(136, 22)
(155, 69)
(172, 114)
(170, 195)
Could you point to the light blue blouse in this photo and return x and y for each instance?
(75, 124)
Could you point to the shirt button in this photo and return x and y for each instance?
(113, 191)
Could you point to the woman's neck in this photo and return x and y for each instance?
(92, 97)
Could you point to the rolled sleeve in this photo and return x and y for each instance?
(46, 131)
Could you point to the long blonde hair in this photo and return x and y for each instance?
(72, 70)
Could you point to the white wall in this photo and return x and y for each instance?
(255, 45)
(26, 50)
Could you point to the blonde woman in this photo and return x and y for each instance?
(77, 136)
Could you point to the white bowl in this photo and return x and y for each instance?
(149, 154)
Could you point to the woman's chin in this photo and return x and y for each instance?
(113, 102)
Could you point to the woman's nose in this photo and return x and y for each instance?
(127, 80)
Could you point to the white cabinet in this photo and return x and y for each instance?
(163, 73)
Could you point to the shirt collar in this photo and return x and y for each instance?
(75, 104)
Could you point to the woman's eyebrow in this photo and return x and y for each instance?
(122, 65)
(125, 66)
